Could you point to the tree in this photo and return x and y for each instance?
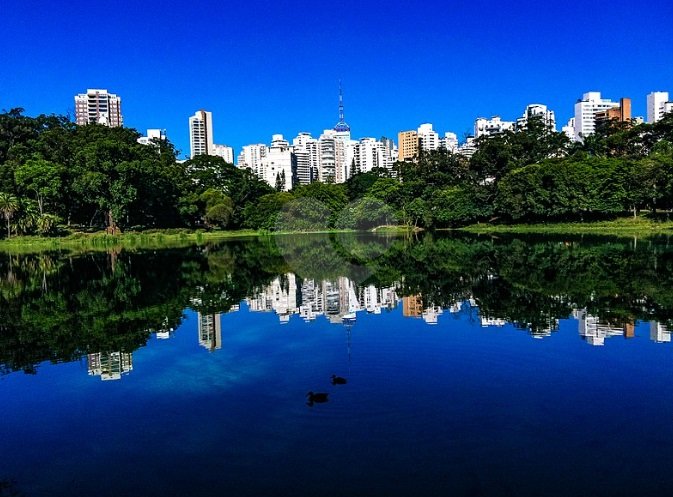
(42, 178)
(263, 213)
(9, 204)
(219, 208)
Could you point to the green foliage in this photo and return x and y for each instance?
(96, 177)
(263, 214)
(366, 214)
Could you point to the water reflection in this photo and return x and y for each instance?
(470, 364)
(103, 306)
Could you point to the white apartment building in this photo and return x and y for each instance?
(97, 106)
(368, 154)
(491, 127)
(449, 142)
(335, 155)
(305, 149)
(537, 110)
(201, 133)
(586, 109)
(251, 157)
(152, 134)
(658, 104)
(224, 151)
(278, 164)
(468, 148)
(569, 129)
(427, 138)
(327, 157)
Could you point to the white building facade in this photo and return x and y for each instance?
(201, 133)
(490, 127)
(586, 109)
(658, 104)
(224, 151)
(97, 106)
(539, 111)
(428, 139)
(152, 134)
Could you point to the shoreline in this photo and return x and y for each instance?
(155, 239)
(618, 227)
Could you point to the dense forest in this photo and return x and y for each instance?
(56, 176)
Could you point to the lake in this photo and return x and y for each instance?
(469, 366)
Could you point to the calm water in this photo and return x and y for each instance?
(474, 366)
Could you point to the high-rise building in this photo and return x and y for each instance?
(407, 145)
(224, 151)
(369, 154)
(428, 139)
(539, 111)
(278, 166)
(251, 157)
(201, 133)
(210, 331)
(449, 142)
(569, 129)
(327, 156)
(109, 365)
(97, 106)
(305, 149)
(658, 104)
(412, 306)
(659, 333)
(586, 109)
(490, 127)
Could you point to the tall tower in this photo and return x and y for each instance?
(201, 133)
(341, 127)
(97, 106)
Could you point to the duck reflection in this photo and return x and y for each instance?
(316, 398)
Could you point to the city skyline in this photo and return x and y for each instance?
(441, 64)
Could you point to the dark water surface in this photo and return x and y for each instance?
(474, 367)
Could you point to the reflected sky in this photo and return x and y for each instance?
(448, 393)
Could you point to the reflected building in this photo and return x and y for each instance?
(412, 306)
(431, 314)
(373, 299)
(489, 321)
(109, 365)
(659, 333)
(210, 331)
(592, 330)
(312, 303)
(280, 297)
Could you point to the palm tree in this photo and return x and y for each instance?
(9, 204)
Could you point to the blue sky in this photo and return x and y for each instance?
(273, 67)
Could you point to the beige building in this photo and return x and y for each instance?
(408, 145)
(622, 113)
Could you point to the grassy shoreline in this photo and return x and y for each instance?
(639, 226)
(152, 239)
(176, 238)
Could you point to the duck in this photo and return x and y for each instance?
(316, 398)
(338, 380)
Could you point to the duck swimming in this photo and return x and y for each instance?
(338, 380)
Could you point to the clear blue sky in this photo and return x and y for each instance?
(273, 67)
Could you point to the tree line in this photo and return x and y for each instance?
(54, 174)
